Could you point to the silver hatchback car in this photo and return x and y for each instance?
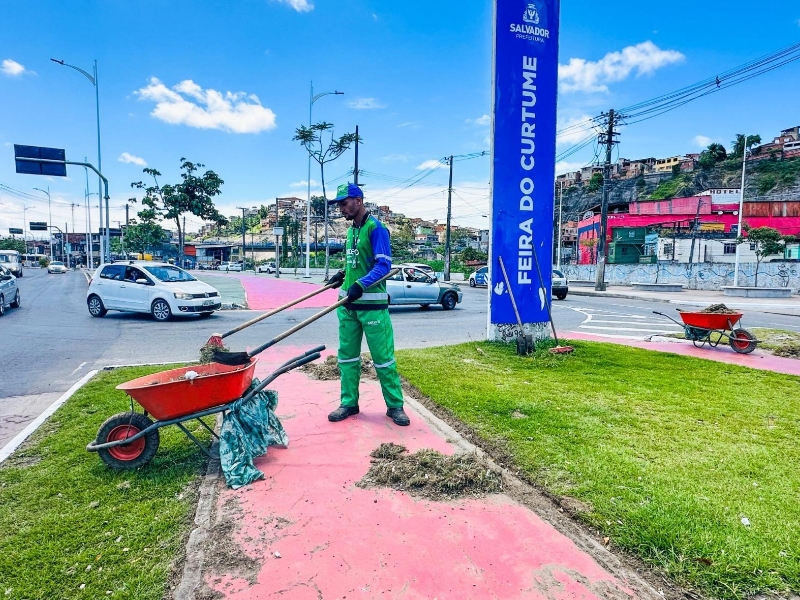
(9, 292)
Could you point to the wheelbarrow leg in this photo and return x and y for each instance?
(195, 440)
(211, 431)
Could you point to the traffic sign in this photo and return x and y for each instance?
(31, 167)
(277, 231)
(112, 232)
(15, 231)
(37, 226)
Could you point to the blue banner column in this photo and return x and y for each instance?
(525, 85)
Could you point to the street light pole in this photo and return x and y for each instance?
(560, 231)
(104, 247)
(49, 215)
(313, 99)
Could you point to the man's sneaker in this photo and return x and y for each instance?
(341, 413)
(398, 416)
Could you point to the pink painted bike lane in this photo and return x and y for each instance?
(266, 293)
(313, 534)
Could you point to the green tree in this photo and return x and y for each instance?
(12, 244)
(318, 206)
(323, 147)
(144, 237)
(767, 241)
(193, 195)
(595, 183)
(737, 150)
(471, 254)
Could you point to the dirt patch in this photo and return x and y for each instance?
(574, 506)
(518, 415)
(21, 461)
(329, 369)
(430, 474)
(787, 350)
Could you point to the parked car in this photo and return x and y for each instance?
(158, 288)
(11, 260)
(423, 267)
(266, 267)
(230, 266)
(479, 277)
(414, 286)
(9, 293)
(56, 266)
(560, 284)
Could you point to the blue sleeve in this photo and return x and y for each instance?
(382, 252)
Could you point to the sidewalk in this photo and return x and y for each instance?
(306, 530)
(781, 306)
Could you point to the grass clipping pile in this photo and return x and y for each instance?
(329, 370)
(430, 474)
(718, 309)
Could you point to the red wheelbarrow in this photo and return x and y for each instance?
(129, 440)
(698, 327)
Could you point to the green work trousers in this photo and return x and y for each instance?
(375, 324)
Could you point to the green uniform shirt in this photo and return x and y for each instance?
(368, 257)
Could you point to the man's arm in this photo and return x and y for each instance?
(382, 252)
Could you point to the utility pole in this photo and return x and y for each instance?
(560, 231)
(741, 210)
(608, 140)
(127, 219)
(243, 238)
(355, 170)
(447, 231)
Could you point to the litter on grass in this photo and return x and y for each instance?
(430, 474)
(329, 370)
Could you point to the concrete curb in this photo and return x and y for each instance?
(23, 435)
(574, 292)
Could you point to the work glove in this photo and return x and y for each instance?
(337, 280)
(354, 292)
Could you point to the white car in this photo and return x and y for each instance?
(230, 266)
(267, 268)
(9, 293)
(158, 288)
(56, 266)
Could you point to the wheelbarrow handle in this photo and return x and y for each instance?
(655, 312)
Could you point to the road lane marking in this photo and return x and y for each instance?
(79, 368)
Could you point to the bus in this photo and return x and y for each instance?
(10, 259)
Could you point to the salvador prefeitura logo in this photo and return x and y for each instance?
(529, 28)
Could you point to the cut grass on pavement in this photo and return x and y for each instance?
(67, 520)
(689, 464)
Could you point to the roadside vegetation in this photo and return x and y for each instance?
(72, 528)
(689, 464)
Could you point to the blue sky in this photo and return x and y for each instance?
(226, 84)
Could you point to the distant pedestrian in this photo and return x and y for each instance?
(368, 258)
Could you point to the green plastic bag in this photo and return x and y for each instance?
(248, 430)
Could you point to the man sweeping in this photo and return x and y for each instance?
(368, 257)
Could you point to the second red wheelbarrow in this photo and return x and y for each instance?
(700, 327)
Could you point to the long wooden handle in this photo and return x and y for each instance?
(313, 318)
(275, 311)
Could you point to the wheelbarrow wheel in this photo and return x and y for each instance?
(742, 341)
(128, 456)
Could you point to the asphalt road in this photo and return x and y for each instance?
(51, 341)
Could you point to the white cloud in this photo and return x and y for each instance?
(12, 68)
(126, 157)
(365, 104)
(580, 75)
(304, 184)
(411, 124)
(568, 167)
(483, 120)
(430, 164)
(702, 141)
(231, 112)
(575, 129)
(299, 5)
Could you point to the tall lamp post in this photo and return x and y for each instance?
(741, 210)
(105, 253)
(313, 99)
(49, 214)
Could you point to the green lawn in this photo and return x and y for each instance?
(690, 464)
(66, 520)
